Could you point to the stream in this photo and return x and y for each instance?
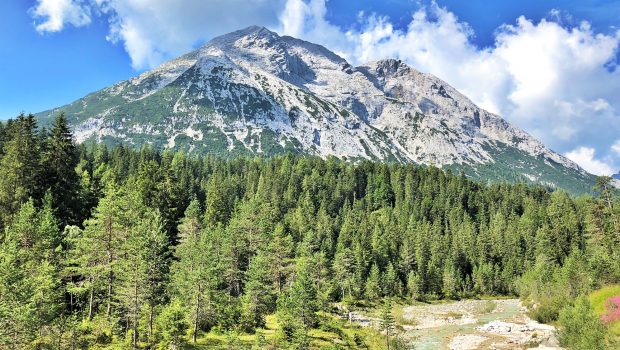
(474, 324)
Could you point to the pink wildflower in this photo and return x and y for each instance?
(613, 310)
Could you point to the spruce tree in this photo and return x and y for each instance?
(60, 159)
(388, 323)
(195, 277)
(372, 289)
(20, 171)
(298, 306)
(259, 298)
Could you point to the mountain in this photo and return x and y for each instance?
(616, 176)
(255, 92)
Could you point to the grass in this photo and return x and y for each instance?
(332, 333)
(486, 308)
(598, 299)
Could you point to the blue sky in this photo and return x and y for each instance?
(55, 51)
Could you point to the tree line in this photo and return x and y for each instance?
(154, 249)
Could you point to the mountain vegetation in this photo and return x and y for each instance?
(109, 248)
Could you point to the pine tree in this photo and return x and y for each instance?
(414, 285)
(388, 324)
(141, 271)
(157, 256)
(20, 173)
(60, 159)
(605, 188)
(30, 290)
(259, 297)
(280, 250)
(372, 289)
(195, 277)
(450, 282)
(298, 306)
(99, 246)
(191, 224)
(217, 208)
(391, 282)
(344, 271)
(172, 325)
(581, 328)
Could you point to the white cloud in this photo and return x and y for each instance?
(155, 30)
(616, 147)
(585, 156)
(56, 13)
(557, 80)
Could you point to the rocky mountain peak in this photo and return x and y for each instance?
(253, 91)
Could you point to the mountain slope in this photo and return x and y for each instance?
(255, 92)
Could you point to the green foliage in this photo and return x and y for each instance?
(172, 326)
(259, 296)
(388, 323)
(552, 286)
(162, 249)
(581, 328)
(19, 167)
(59, 159)
(30, 287)
(298, 306)
(372, 289)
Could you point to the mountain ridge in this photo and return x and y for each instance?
(253, 91)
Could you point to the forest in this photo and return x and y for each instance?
(114, 248)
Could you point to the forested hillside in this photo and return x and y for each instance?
(115, 248)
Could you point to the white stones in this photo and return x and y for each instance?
(466, 342)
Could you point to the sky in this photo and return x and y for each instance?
(549, 67)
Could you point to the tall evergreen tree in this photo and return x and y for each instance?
(259, 296)
(60, 160)
(297, 308)
(388, 324)
(20, 174)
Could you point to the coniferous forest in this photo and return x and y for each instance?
(115, 248)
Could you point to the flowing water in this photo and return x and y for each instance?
(475, 324)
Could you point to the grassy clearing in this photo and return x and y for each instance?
(598, 299)
(332, 333)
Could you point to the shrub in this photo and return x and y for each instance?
(173, 326)
(581, 328)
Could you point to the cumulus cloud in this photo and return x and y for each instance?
(155, 30)
(616, 147)
(556, 79)
(52, 15)
(585, 156)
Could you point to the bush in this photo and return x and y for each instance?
(548, 309)
(581, 328)
(173, 326)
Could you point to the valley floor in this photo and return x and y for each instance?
(462, 325)
(469, 324)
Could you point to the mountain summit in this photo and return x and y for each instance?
(256, 92)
